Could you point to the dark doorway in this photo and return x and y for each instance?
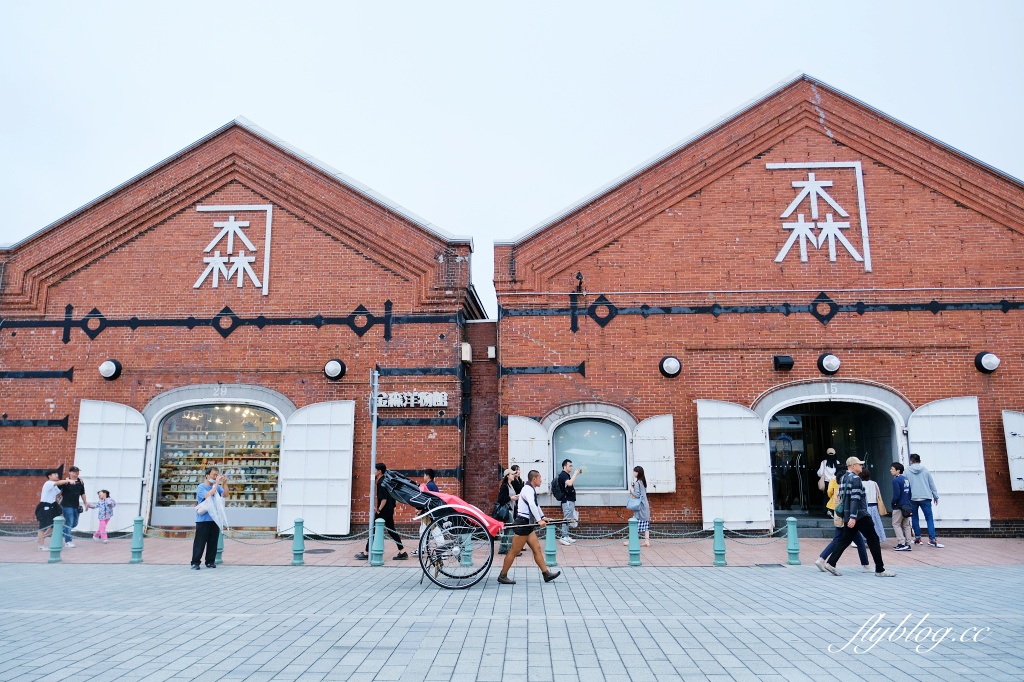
(799, 435)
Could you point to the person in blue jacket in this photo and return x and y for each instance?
(902, 510)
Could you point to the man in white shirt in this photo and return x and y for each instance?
(48, 508)
(528, 515)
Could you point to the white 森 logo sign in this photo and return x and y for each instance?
(231, 254)
(813, 199)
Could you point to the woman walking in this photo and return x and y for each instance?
(528, 514)
(508, 498)
(873, 496)
(643, 514)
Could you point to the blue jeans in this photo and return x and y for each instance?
(926, 507)
(858, 540)
(70, 521)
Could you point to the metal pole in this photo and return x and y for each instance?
(374, 385)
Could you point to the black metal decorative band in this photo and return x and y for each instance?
(503, 421)
(822, 308)
(419, 371)
(39, 374)
(455, 473)
(419, 421)
(62, 423)
(23, 472)
(545, 369)
(360, 321)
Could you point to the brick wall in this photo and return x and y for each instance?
(138, 253)
(703, 228)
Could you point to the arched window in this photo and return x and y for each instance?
(243, 441)
(597, 446)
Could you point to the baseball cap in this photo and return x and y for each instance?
(854, 460)
(74, 469)
(507, 472)
(830, 451)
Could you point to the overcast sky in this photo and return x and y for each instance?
(484, 118)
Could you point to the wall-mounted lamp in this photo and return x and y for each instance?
(334, 369)
(782, 363)
(670, 366)
(828, 363)
(110, 370)
(986, 362)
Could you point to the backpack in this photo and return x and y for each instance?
(557, 491)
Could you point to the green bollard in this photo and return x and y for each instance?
(136, 541)
(634, 543)
(377, 548)
(220, 548)
(57, 540)
(719, 546)
(466, 554)
(298, 543)
(792, 542)
(550, 549)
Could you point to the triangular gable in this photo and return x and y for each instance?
(529, 261)
(237, 152)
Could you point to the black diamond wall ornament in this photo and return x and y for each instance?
(602, 302)
(93, 332)
(233, 322)
(361, 311)
(823, 300)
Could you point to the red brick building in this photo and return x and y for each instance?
(808, 273)
(220, 284)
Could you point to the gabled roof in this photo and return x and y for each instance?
(719, 123)
(248, 125)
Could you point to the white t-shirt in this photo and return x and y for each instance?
(528, 503)
(870, 492)
(50, 492)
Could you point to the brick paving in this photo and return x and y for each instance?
(601, 621)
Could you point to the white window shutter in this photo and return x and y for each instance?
(528, 447)
(316, 468)
(1013, 430)
(654, 450)
(111, 452)
(947, 435)
(735, 482)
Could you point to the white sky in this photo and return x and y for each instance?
(483, 118)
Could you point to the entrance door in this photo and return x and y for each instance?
(947, 435)
(1013, 431)
(316, 468)
(111, 452)
(735, 483)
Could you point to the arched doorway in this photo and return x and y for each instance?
(800, 434)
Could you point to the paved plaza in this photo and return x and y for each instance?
(114, 621)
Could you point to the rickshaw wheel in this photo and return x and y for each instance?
(456, 551)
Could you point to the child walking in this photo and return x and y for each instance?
(105, 506)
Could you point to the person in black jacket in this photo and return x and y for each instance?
(385, 510)
(856, 520)
(508, 495)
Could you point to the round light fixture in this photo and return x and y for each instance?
(986, 362)
(670, 366)
(828, 363)
(110, 370)
(334, 369)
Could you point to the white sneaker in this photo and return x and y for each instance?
(867, 569)
(104, 542)
(820, 563)
(69, 544)
(565, 541)
(571, 540)
(95, 538)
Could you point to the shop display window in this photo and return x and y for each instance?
(244, 442)
(598, 447)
